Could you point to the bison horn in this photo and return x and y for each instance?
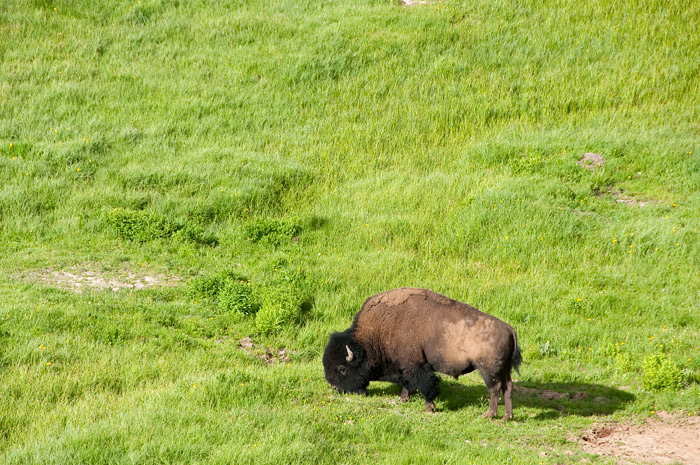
(350, 355)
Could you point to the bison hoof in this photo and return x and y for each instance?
(507, 416)
(429, 407)
(490, 414)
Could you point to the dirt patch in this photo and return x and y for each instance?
(267, 355)
(662, 439)
(78, 279)
(620, 196)
(591, 161)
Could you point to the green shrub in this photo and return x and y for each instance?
(273, 231)
(210, 286)
(280, 307)
(205, 287)
(661, 373)
(144, 226)
(139, 226)
(236, 296)
(194, 235)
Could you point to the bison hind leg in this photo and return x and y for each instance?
(494, 393)
(496, 384)
(508, 398)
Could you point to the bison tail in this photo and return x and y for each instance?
(517, 357)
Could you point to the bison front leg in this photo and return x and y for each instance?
(428, 385)
(422, 379)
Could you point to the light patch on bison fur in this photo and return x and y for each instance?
(471, 344)
(461, 345)
(392, 299)
(444, 300)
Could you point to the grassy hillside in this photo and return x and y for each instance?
(257, 169)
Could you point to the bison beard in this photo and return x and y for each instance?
(406, 335)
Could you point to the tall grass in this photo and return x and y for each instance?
(318, 153)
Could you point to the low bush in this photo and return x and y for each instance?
(659, 372)
(144, 226)
(273, 231)
(236, 295)
(139, 225)
(210, 286)
(281, 306)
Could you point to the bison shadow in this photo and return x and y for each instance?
(553, 400)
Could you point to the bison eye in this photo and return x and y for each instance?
(342, 370)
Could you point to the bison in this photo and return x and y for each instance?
(406, 335)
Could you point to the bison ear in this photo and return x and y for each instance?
(350, 354)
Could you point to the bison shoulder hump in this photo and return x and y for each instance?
(397, 297)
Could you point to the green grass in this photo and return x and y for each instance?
(318, 153)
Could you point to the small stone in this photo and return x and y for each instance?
(591, 161)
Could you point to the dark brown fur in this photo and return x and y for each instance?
(406, 335)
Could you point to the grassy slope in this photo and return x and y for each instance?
(432, 146)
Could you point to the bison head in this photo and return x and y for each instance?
(344, 362)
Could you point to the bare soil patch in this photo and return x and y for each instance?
(80, 278)
(266, 354)
(620, 196)
(662, 439)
